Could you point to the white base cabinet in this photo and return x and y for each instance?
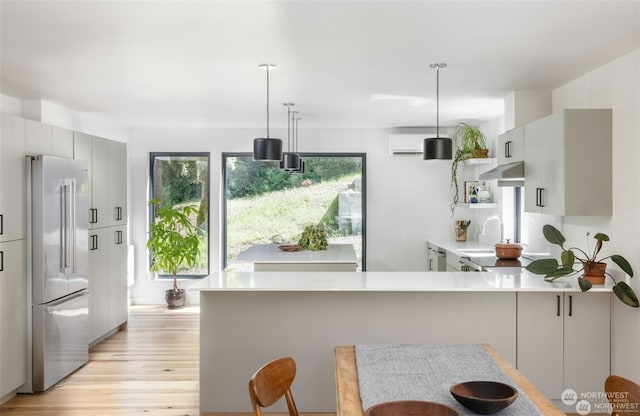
(13, 316)
(564, 341)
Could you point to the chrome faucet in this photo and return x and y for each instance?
(494, 217)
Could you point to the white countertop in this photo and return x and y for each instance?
(269, 253)
(503, 280)
(458, 247)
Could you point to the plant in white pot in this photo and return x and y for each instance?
(174, 244)
(593, 267)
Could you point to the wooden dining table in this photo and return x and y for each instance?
(348, 391)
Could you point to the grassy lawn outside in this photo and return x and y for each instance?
(279, 217)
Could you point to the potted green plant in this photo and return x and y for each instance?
(592, 266)
(470, 143)
(174, 244)
(313, 237)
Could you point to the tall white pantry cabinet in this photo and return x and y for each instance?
(107, 231)
(20, 137)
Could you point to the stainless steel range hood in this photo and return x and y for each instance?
(511, 174)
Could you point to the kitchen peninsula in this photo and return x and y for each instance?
(248, 319)
(269, 258)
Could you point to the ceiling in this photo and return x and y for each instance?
(344, 63)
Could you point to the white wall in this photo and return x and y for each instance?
(615, 85)
(407, 197)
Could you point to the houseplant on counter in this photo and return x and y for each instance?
(174, 244)
(470, 143)
(592, 267)
(313, 237)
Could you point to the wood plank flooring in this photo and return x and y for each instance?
(150, 368)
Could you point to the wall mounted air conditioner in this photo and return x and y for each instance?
(407, 144)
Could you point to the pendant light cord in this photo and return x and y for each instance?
(437, 102)
(267, 69)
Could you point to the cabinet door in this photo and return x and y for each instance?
(98, 282)
(511, 146)
(100, 179)
(82, 151)
(62, 142)
(553, 164)
(118, 285)
(540, 341)
(38, 138)
(536, 135)
(12, 179)
(587, 345)
(117, 184)
(13, 316)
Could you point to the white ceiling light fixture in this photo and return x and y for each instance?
(438, 147)
(290, 159)
(266, 148)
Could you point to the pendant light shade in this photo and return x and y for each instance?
(290, 159)
(266, 148)
(300, 168)
(438, 147)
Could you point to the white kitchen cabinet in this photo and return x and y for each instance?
(95, 150)
(557, 334)
(117, 284)
(13, 316)
(117, 184)
(61, 142)
(568, 163)
(98, 283)
(12, 179)
(510, 147)
(38, 138)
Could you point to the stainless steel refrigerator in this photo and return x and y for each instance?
(58, 263)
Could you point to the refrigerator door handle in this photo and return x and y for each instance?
(68, 223)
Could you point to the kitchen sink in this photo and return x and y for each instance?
(478, 252)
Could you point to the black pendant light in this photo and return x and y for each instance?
(266, 148)
(438, 147)
(290, 159)
(300, 168)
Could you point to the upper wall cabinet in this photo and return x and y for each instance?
(511, 146)
(568, 163)
(117, 187)
(12, 179)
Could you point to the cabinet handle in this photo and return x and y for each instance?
(94, 242)
(118, 237)
(558, 306)
(430, 264)
(539, 197)
(1, 224)
(570, 305)
(1, 261)
(118, 213)
(93, 213)
(507, 148)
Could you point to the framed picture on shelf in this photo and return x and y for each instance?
(471, 192)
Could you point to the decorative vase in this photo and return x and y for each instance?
(594, 272)
(175, 298)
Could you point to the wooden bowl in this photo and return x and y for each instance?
(411, 408)
(484, 396)
(290, 247)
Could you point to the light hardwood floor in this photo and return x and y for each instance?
(150, 368)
